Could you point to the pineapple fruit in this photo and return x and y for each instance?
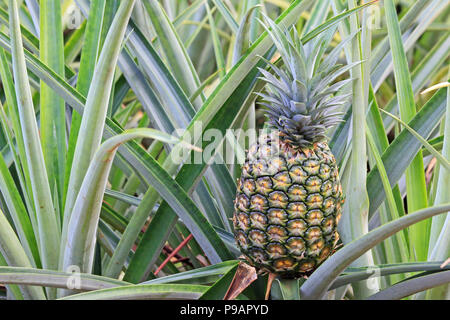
(289, 198)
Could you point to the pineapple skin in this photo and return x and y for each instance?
(288, 204)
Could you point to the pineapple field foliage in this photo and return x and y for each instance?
(110, 188)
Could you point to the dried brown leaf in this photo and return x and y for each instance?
(244, 276)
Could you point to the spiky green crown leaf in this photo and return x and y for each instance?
(301, 97)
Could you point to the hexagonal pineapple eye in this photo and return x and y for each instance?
(296, 210)
(326, 189)
(314, 201)
(247, 170)
(296, 246)
(314, 217)
(277, 233)
(258, 203)
(277, 216)
(259, 256)
(316, 247)
(259, 220)
(258, 238)
(297, 227)
(311, 166)
(328, 225)
(324, 253)
(276, 250)
(329, 205)
(276, 164)
(242, 202)
(259, 168)
(282, 180)
(243, 221)
(284, 264)
(249, 187)
(313, 184)
(297, 193)
(313, 234)
(278, 199)
(307, 266)
(264, 185)
(298, 174)
(242, 240)
(325, 171)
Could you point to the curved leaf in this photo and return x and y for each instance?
(82, 227)
(50, 278)
(321, 279)
(409, 287)
(146, 291)
(351, 275)
(198, 276)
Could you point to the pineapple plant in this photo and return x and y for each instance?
(82, 218)
(289, 197)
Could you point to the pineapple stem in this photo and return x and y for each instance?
(272, 277)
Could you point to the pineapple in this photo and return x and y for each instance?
(289, 198)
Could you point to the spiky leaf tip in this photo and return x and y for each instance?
(302, 95)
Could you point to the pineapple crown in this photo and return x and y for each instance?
(300, 97)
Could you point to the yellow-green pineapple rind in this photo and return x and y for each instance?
(287, 207)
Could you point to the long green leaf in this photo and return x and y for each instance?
(391, 204)
(220, 60)
(21, 163)
(148, 292)
(428, 66)
(227, 15)
(30, 40)
(242, 41)
(49, 234)
(56, 279)
(394, 208)
(355, 218)
(73, 45)
(412, 286)
(415, 175)
(172, 48)
(198, 276)
(92, 123)
(52, 116)
(88, 61)
(356, 274)
(426, 17)
(146, 168)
